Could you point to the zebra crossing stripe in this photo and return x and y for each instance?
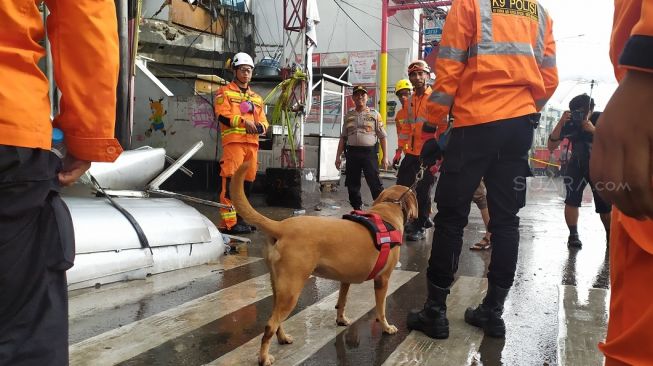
(464, 340)
(315, 326)
(135, 338)
(84, 302)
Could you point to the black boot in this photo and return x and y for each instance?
(488, 314)
(432, 320)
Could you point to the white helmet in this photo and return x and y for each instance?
(241, 58)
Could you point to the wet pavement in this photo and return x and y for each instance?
(215, 314)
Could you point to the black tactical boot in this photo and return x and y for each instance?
(432, 320)
(488, 314)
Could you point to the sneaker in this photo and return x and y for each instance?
(574, 242)
(416, 235)
(237, 229)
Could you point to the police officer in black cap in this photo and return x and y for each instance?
(362, 130)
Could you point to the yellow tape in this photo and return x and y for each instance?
(545, 162)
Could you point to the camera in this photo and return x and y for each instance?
(573, 126)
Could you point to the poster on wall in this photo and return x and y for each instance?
(335, 59)
(363, 67)
(316, 60)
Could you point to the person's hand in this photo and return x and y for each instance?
(385, 163)
(588, 126)
(250, 127)
(73, 168)
(397, 158)
(620, 163)
(431, 152)
(338, 162)
(435, 168)
(566, 116)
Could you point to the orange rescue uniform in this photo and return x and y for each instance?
(87, 122)
(502, 70)
(237, 144)
(409, 123)
(630, 329)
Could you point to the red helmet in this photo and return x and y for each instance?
(418, 65)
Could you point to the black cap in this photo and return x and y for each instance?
(359, 88)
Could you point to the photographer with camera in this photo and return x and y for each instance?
(577, 125)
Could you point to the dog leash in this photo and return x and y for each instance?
(418, 177)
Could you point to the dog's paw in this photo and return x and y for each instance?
(288, 339)
(267, 361)
(390, 329)
(343, 321)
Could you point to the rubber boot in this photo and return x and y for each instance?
(432, 320)
(488, 314)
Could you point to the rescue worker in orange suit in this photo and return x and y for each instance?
(412, 116)
(496, 67)
(241, 117)
(403, 90)
(621, 162)
(37, 243)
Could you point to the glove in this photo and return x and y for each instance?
(396, 159)
(259, 128)
(246, 107)
(431, 152)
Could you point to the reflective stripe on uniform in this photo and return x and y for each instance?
(441, 98)
(501, 48)
(540, 103)
(548, 61)
(541, 28)
(230, 214)
(235, 130)
(236, 97)
(487, 46)
(235, 121)
(452, 53)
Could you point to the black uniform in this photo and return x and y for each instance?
(36, 249)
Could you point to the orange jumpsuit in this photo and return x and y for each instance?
(630, 328)
(237, 144)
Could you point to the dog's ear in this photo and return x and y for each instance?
(383, 196)
(411, 205)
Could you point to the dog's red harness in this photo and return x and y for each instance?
(384, 235)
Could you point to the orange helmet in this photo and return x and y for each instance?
(418, 65)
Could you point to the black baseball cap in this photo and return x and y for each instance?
(359, 88)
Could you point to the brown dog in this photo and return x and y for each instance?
(332, 248)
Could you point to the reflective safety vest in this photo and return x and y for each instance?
(384, 235)
(227, 104)
(409, 122)
(496, 61)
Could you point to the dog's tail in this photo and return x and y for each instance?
(245, 209)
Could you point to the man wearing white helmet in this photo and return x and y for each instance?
(241, 118)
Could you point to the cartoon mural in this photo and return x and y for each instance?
(156, 119)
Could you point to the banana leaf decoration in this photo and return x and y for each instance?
(282, 96)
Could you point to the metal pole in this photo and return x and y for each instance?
(123, 127)
(383, 90)
(321, 107)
